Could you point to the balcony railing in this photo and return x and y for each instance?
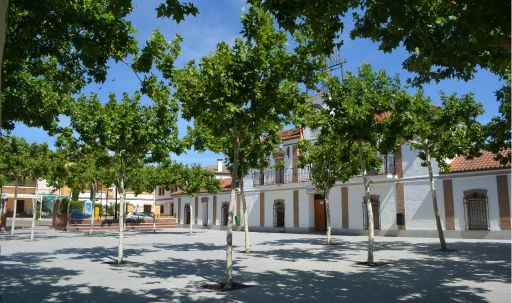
(22, 183)
(281, 176)
(388, 166)
(293, 175)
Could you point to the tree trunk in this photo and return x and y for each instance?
(68, 217)
(120, 251)
(369, 210)
(190, 214)
(93, 199)
(154, 212)
(4, 9)
(229, 235)
(440, 232)
(327, 216)
(246, 218)
(34, 211)
(13, 224)
(3, 205)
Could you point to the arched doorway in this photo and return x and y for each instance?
(279, 213)
(186, 214)
(225, 213)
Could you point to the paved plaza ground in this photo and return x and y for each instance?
(171, 266)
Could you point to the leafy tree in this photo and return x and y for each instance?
(498, 130)
(129, 133)
(359, 111)
(445, 39)
(78, 168)
(145, 178)
(442, 133)
(4, 179)
(21, 161)
(194, 179)
(331, 160)
(49, 50)
(239, 93)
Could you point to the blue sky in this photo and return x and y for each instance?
(218, 21)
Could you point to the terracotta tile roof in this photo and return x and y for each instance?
(289, 133)
(225, 185)
(382, 115)
(484, 162)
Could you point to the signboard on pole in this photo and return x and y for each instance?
(88, 207)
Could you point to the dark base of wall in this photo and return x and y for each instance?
(453, 234)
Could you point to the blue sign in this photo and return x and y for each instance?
(88, 207)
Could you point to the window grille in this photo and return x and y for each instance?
(476, 210)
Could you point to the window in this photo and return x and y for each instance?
(476, 209)
(161, 190)
(162, 209)
(147, 208)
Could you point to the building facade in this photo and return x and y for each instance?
(473, 198)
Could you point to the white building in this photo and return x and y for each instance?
(473, 198)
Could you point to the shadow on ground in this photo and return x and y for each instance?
(428, 277)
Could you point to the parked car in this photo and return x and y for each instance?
(78, 215)
(137, 217)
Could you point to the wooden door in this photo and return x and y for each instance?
(320, 224)
(225, 213)
(187, 214)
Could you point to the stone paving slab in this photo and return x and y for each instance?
(171, 266)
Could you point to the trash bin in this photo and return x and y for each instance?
(237, 220)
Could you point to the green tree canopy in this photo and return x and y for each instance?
(445, 39)
(366, 113)
(442, 133)
(54, 48)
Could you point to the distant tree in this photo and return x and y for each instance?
(20, 161)
(443, 133)
(4, 179)
(498, 129)
(241, 92)
(193, 179)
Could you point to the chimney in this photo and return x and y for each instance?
(219, 165)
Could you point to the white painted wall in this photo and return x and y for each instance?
(411, 164)
(419, 211)
(335, 207)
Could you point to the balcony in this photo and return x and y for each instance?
(388, 166)
(22, 184)
(294, 175)
(281, 176)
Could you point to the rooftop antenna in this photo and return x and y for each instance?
(334, 62)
